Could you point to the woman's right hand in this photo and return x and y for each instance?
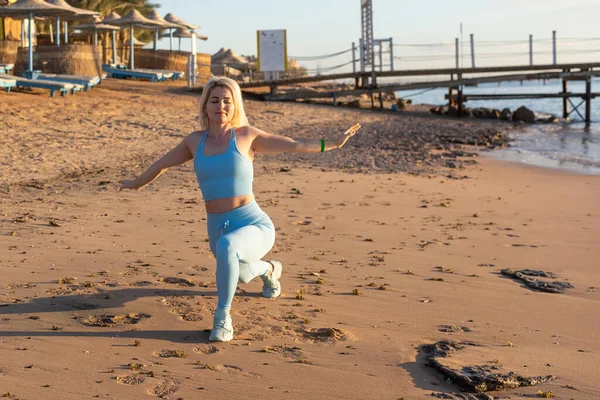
(128, 184)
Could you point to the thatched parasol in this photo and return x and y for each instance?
(219, 53)
(113, 16)
(134, 18)
(182, 24)
(177, 21)
(97, 25)
(29, 9)
(230, 58)
(184, 33)
(78, 13)
(155, 16)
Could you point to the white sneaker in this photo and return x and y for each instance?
(271, 285)
(222, 330)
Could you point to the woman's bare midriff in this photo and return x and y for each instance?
(220, 206)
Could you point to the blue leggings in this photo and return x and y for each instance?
(239, 239)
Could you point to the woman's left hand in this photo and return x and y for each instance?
(343, 138)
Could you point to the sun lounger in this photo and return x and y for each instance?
(7, 84)
(174, 75)
(129, 73)
(87, 82)
(166, 75)
(60, 87)
(5, 68)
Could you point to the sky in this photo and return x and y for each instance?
(319, 27)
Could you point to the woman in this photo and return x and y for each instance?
(240, 233)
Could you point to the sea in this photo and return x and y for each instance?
(567, 145)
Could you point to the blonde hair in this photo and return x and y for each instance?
(239, 116)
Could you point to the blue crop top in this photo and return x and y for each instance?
(223, 175)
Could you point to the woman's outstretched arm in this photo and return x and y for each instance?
(267, 143)
(178, 155)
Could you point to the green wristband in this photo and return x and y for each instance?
(322, 145)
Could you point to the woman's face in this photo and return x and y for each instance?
(220, 106)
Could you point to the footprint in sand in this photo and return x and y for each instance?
(233, 370)
(302, 222)
(183, 309)
(163, 390)
(105, 320)
(130, 379)
(284, 351)
(206, 349)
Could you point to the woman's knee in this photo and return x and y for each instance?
(225, 247)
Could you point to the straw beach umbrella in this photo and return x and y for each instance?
(134, 18)
(97, 25)
(113, 16)
(172, 18)
(155, 16)
(78, 13)
(30, 9)
(184, 33)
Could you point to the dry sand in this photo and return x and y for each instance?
(109, 294)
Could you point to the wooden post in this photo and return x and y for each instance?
(565, 99)
(460, 101)
(381, 100)
(354, 58)
(372, 100)
(588, 101)
(450, 98)
(356, 82)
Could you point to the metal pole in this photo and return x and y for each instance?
(171, 40)
(361, 52)
(66, 32)
(95, 37)
(114, 47)
(58, 31)
(588, 101)
(22, 33)
(131, 55)
(30, 55)
(472, 51)
(554, 47)
(380, 56)
(392, 54)
(565, 99)
(155, 39)
(353, 57)
(530, 49)
(373, 75)
(194, 58)
(456, 46)
(179, 44)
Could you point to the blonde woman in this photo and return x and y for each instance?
(240, 233)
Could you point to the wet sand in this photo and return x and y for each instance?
(109, 294)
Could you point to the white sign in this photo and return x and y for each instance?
(272, 50)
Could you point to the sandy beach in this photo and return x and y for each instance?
(392, 244)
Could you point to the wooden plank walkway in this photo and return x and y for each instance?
(425, 72)
(306, 94)
(366, 83)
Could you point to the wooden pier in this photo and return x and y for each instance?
(456, 80)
